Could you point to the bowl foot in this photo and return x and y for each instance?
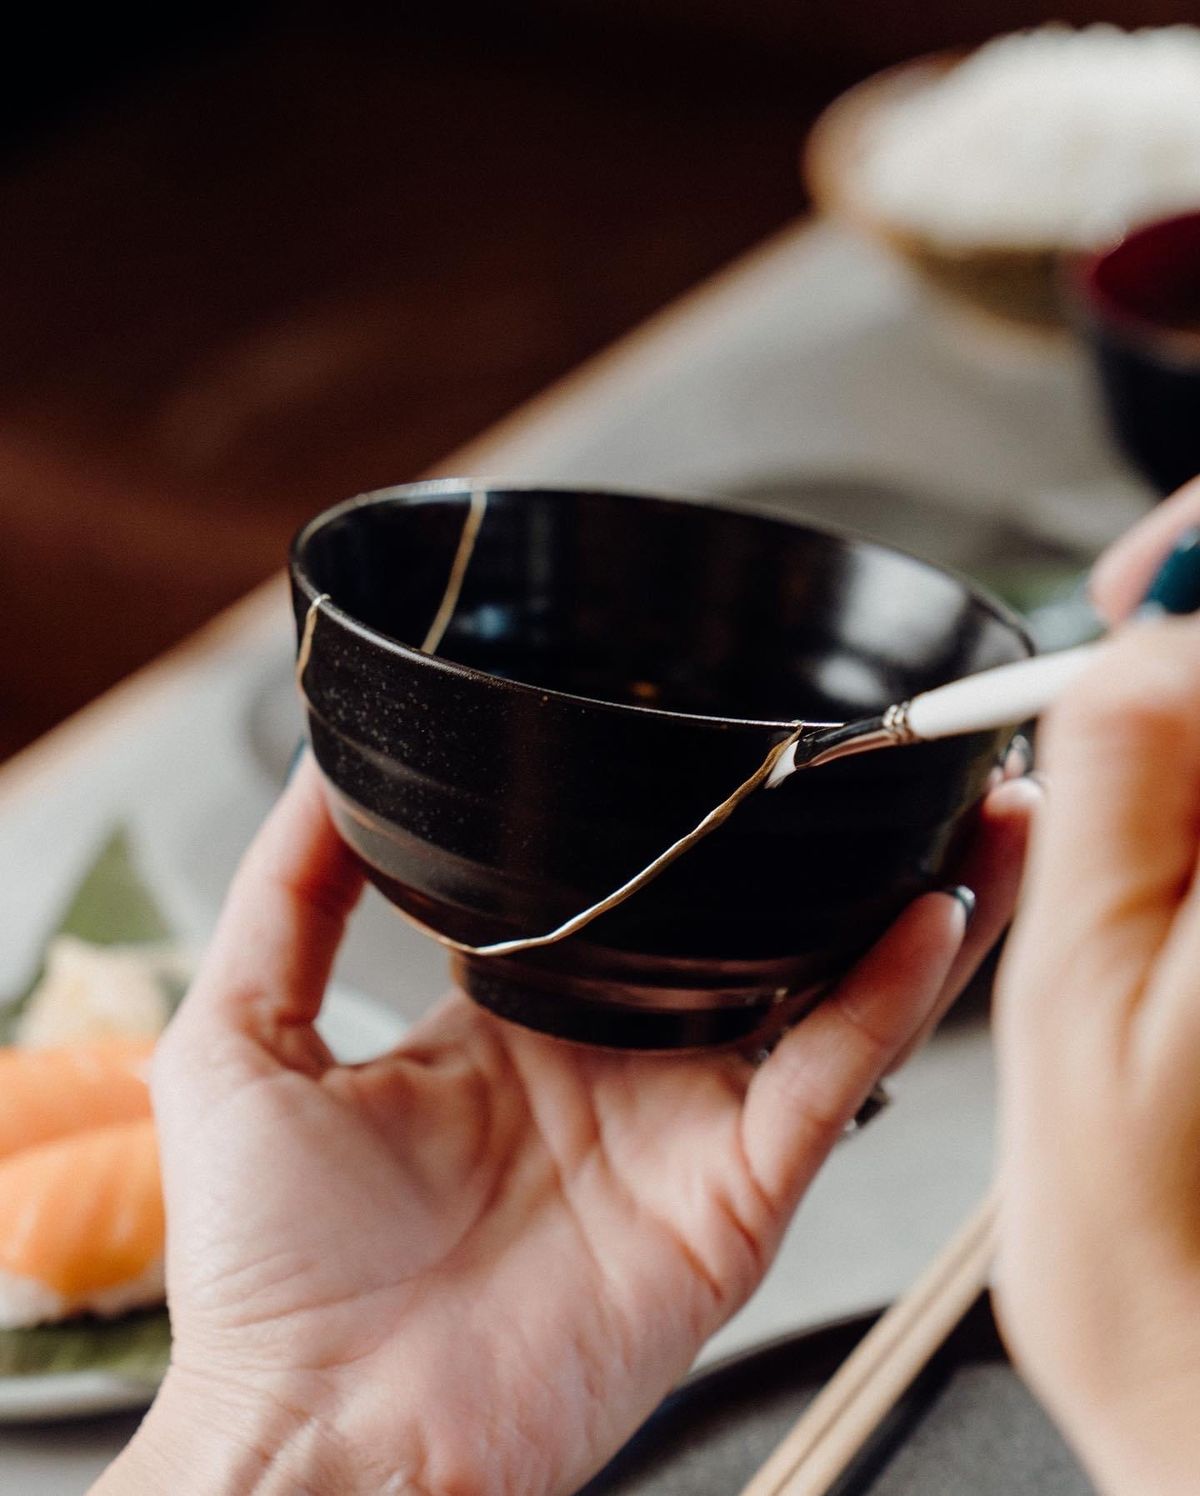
(583, 1013)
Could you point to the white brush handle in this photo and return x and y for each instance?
(994, 698)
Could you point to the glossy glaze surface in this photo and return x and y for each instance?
(616, 665)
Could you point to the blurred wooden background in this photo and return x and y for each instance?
(256, 258)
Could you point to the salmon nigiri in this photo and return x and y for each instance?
(50, 1093)
(81, 1226)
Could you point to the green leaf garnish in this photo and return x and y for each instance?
(10, 1014)
(111, 906)
(138, 1345)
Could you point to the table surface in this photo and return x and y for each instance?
(814, 356)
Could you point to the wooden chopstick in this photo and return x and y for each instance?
(840, 1420)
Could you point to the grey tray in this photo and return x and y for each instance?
(968, 1427)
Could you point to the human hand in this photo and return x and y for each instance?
(1098, 1275)
(477, 1263)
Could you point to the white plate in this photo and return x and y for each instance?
(355, 1028)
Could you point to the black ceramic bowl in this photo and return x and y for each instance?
(1139, 303)
(615, 667)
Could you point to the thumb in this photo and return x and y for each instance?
(263, 977)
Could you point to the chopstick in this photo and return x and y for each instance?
(838, 1423)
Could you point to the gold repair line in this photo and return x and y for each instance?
(715, 817)
(306, 637)
(433, 638)
(458, 571)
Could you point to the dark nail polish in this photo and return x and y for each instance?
(876, 1102)
(966, 897)
(1176, 585)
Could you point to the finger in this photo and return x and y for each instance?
(269, 961)
(1115, 845)
(1122, 575)
(801, 1099)
(1167, 1026)
(992, 869)
(1167, 1023)
(1018, 757)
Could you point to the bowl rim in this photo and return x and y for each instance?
(831, 148)
(433, 487)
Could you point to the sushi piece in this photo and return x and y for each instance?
(51, 1093)
(81, 1226)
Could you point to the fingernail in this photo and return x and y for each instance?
(966, 897)
(1024, 796)
(1176, 584)
(1019, 759)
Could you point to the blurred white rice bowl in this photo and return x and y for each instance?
(982, 171)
